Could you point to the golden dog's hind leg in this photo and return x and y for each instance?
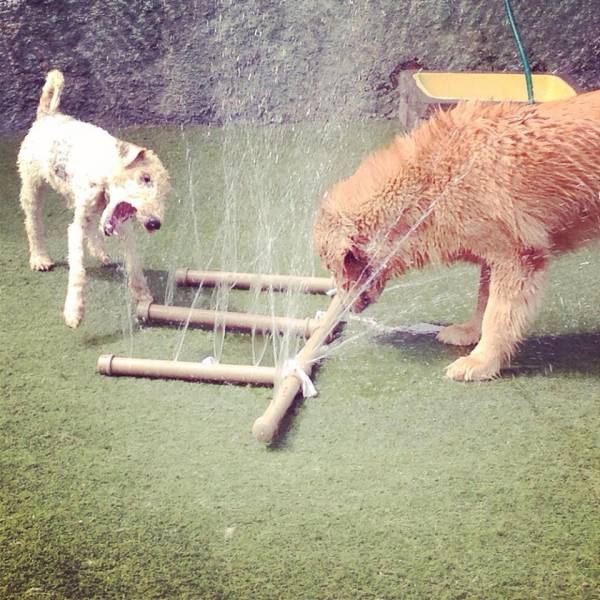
(515, 293)
(465, 334)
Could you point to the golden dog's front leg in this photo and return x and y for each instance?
(465, 334)
(515, 293)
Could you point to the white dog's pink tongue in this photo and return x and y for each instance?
(121, 212)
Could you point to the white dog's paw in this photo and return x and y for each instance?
(41, 263)
(142, 295)
(473, 368)
(464, 334)
(104, 259)
(73, 313)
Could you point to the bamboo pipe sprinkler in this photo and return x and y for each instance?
(317, 331)
(234, 321)
(109, 364)
(246, 281)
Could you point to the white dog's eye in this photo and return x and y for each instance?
(146, 179)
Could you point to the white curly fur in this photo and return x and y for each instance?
(103, 179)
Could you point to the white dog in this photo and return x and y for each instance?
(105, 180)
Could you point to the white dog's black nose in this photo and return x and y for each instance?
(152, 224)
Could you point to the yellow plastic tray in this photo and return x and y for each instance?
(491, 86)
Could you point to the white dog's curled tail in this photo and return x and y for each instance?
(50, 98)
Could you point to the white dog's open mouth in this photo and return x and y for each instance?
(121, 212)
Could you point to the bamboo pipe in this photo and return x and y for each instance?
(244, 322)
(108, 364)
(265, 427)
(245, 281)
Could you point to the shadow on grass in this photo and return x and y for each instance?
(420, 346)
(569, 353)
(284, 437)
(93, 341)
(158, 280)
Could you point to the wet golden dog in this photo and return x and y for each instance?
(506, 186)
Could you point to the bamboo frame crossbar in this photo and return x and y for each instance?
(246, 281)
(233, 321)
(109, 364)
(287, 381)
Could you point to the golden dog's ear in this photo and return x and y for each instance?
(130, 153)
(355, 264)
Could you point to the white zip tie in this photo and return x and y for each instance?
(331, 292)
(209, 360)
(292, 367)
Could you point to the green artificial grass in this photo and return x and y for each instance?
(392, 483)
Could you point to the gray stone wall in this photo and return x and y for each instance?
(156, 61)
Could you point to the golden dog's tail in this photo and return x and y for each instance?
(50, 98)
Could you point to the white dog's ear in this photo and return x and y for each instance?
(130, 153)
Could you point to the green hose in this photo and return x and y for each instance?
(522, 54)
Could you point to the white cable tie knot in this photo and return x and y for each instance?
(331, 292)
(292, 367)
(209, 360)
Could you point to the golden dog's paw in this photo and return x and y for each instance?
(473, 368)
(459, 335)
(41, 263)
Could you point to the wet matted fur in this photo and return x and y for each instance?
(506, 186)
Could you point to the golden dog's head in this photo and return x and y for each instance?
(359, 275)
(361, 221)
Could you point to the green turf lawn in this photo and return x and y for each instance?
(392, 483)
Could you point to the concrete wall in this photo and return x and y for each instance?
(151, 61)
